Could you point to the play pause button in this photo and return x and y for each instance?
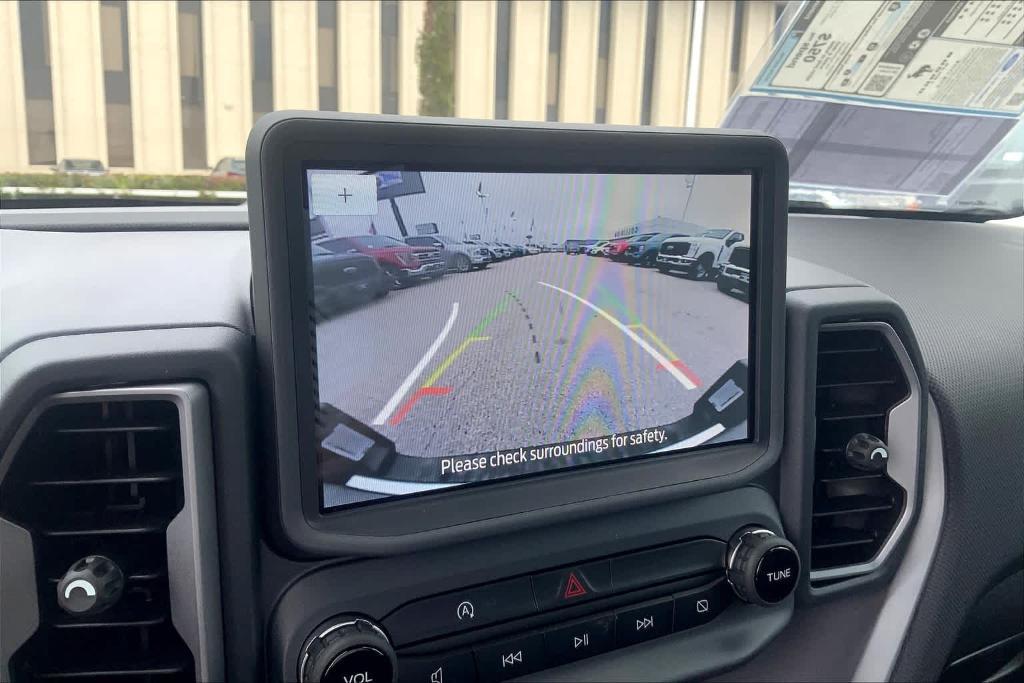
(579, 639)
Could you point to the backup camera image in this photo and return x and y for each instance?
(471, 326)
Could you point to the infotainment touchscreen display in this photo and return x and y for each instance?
(476, 326)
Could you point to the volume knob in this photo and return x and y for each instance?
(348, 649)
(762, 568)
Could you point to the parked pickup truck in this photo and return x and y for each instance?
(698, 257)
(344, 280)
(458, 255)
(401, 262)
(735, 275)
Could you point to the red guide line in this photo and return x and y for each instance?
(683, 368)
(420, 393)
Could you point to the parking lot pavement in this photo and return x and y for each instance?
(535, 350)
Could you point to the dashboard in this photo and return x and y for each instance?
(853, 540)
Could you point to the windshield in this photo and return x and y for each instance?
(377, 241)
(717, 234)
(902, 106)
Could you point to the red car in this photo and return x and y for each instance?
(616, 248)
(400, 261)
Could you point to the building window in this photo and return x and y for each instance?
(650, 55)
(117, 89)
(190, 58)
(554, 58)
(389, 56)
(501, 58)
(604, 39)
(261, 33)
(35, 59)
(327, 53)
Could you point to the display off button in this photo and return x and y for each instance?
(579, 640)
(697, 607)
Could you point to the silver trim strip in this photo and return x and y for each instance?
(904, 429)
(890, 628)
(193, 564)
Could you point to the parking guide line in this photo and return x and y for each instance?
(640, 341)
(673, 358)
(434, 376)
(417, 395)
(390, 406)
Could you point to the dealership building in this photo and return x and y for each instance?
(163, 86)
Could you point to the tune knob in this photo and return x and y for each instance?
(90, 586)
(762, 568)
(348, 649)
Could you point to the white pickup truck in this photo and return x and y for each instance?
(699, 257)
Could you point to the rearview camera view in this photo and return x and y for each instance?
(473, 326)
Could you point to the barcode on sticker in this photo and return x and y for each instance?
(878, 84)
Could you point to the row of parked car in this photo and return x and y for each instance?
(719, 254)
(354, 269)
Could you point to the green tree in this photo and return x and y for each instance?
(435, 50)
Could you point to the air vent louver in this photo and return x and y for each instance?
(859, 380)
(101, 478)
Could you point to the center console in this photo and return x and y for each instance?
(516, 431)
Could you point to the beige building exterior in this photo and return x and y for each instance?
(160, 86)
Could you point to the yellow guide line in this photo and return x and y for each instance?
(660, 344)
(451, 359)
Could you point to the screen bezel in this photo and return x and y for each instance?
(284, 144)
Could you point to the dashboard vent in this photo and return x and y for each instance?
(859, 380)
(101, 478)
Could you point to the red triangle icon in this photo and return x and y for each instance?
(573, 587)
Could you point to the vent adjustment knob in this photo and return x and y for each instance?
(867, 453)
(91, 585)
(762, 568)
(348, 649)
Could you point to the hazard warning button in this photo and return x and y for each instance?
(572, 584)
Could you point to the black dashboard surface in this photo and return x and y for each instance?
(961, 285)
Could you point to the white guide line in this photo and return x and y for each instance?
(392, 488)
(693, 441)
(664, 362)
(390, 406)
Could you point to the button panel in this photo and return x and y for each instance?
(587, 583)
(563, 643)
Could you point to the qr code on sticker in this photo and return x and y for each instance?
(878, 84)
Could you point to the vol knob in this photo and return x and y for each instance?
(90, 586)
(762, 568)
(348, 649)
